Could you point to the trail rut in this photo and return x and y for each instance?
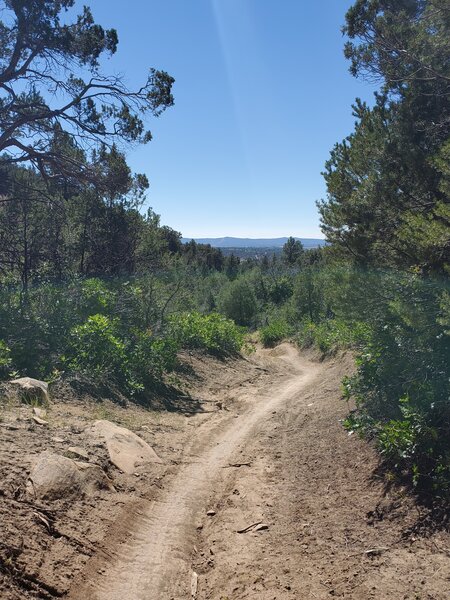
(153, 559)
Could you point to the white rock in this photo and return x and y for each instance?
(126, 449)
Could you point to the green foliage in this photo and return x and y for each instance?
(308, 298)
(387, 208)
(330, 335)
(280, 290)
(95, 297)
(237, 301)
(387, 182)
(95, 348)
(275, 332)
(213, 333)
(292, 251)
(5, 359)
(402, 382)
(151, 357)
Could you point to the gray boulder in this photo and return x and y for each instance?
(54, 476)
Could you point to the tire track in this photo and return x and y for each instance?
(154, 558)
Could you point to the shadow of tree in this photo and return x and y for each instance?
(433, 510)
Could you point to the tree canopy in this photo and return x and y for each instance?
(51, 81)
(388, 193)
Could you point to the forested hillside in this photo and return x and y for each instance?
(94, 286)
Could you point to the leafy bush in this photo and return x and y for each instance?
(330, 335)
(213, 333)
(152, 357)
(402, 384)
(275, 332)
(96, 350)
(95, 297)
(5, 359)
(237, 301)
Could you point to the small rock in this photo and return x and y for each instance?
(261, 527)
(39, 421)
(32, 390)
(57, 440)
(211, 513)
(80, 452)
(39, 412)
(11, 426)
(200, 526)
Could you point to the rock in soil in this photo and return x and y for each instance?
(126, 449)
(54, 476)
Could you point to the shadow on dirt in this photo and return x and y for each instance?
(399, 496)
(161, 396)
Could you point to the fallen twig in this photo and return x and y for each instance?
(249, 528)
(376, 551)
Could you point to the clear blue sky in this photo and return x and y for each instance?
(262, 93)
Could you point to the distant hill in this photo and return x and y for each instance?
(232, 242)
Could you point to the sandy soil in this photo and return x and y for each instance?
(254, 441)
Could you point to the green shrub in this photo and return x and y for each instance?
(5, 360)
(152, 357)
(237, 301)
(330, 335)
(275, 332)
(280, 290)
(213, 333)
(402, 385)
(95, 297)
(96, 350)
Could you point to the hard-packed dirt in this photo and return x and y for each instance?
(261, 493)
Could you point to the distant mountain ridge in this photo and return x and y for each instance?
(233, 242)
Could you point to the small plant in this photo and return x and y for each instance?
(5, 359)
(151, 357)
(274, 332)
(330, 335)
(96, 350)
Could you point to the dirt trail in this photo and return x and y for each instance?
(336, 527)
(155, 558)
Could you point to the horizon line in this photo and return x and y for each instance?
(240, 237)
